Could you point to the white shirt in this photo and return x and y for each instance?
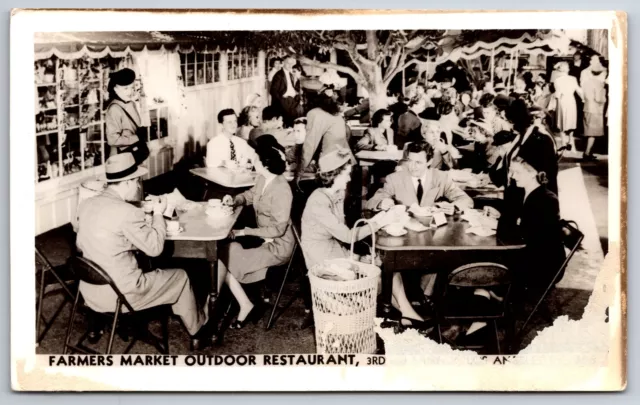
(291, 92)
(219, 150)
(423, 179)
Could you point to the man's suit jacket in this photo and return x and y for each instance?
(399, 187)
(110, 230)
(288, 105)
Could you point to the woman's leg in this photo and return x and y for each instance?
(572, 142)
(238, 292)
(590, 141)
(400, 300)
(236, 289)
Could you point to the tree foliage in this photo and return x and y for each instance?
(384, 52)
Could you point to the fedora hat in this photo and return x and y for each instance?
(122, 167)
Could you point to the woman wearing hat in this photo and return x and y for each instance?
(271, 198)
(566, 87)
(538, 224)
(122, 118)
(592, 80)
(324, 232)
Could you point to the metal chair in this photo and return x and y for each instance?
(90, 273)
(296, 249)
(572, 238)
(462, 282)
(53, 280)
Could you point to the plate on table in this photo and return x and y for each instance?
(421, 211)
(394, 231)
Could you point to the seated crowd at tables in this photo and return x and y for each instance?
(504, 137)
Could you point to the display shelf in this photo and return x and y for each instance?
(51, 131)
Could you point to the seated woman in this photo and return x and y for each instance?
(271, 198)
(380, 135)
(324, 232)
(248, 120)
(538, 226)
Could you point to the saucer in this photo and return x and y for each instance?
(174, 233)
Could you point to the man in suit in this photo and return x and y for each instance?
(417, 183)
(111, 229)
(285, 92)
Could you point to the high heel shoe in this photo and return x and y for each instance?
(253, 316)
(416, 324)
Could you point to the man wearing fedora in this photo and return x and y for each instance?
(110, 230)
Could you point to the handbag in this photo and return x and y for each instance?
(139, 149)
(250, 241)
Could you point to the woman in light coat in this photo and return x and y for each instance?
(324, 232)
(271, 198)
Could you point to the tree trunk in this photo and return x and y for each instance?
(377, 90)
(378, 97)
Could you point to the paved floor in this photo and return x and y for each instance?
(286, 337)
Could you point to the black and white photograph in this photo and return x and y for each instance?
(326, 189)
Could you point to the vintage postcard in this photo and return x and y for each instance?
(318, 200)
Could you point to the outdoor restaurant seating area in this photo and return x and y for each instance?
(191, 198)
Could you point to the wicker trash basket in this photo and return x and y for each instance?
(344, 311)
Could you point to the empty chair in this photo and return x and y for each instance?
(458, 303)
(124, 318)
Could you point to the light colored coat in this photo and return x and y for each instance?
(121, 130)
(110, 230)
(324, 232)
(272, 206)
(324, 131)
(273, 212)
(399, 187)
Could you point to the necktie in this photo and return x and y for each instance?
(233, 151)
(420, 191)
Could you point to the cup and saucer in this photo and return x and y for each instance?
(174, 228)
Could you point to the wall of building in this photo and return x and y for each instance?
(56, 203)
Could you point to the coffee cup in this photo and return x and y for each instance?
(173, 226)
(147, 206)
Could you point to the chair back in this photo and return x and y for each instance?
(90, 273)
(487, 275)
(571, 238)
(479, 275)
(571, 235)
